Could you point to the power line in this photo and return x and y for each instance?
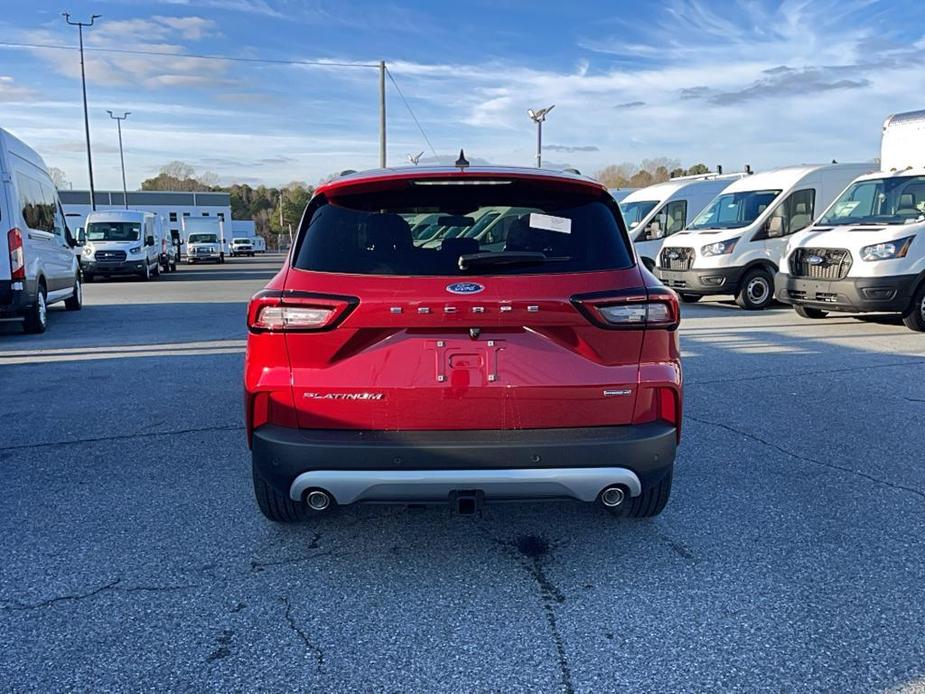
(197, 56)
(413, 117)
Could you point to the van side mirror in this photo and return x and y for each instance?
(149, 241)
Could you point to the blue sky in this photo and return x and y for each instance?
(732, 82)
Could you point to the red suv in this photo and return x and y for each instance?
(462, 335)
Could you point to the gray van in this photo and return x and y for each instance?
(38, 266)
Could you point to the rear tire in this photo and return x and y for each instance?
(914, 318)
(276, 507)
(809, 312)
(756, 291)
(76, 302)
(689, 298)
(648, 504)
(35, 320)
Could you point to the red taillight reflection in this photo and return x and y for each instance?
(17, 257)
(630, 309)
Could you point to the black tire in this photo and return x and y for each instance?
(689, 298)
(88, 277)
(221, 259)
(276, 507)
(914, 317)
(648, 504)
(35, 320)
(76, 302)
(756, 291)
(173, 266)
(809, 312)
(157, 270)
(146, 273)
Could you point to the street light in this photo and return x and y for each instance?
(538, 117)
(83, 81)
(415, 158)
(118, 120)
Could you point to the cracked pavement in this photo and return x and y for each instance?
(790, 557)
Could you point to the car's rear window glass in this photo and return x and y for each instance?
(426, 229)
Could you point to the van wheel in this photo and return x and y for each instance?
(690, 298)
(277, 507)
(76, 302)
(157, 270)
(809, 312)
(649, 503)
(914, 318)
(88, 277)
(36, 318)
(146, 273)
(756, 291)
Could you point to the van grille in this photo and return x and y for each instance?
(820, 263)
(110, 256)
(677, 258)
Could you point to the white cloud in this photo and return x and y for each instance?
(10, 91)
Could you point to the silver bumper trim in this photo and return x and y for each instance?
(350, 486)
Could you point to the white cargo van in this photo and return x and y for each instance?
(38, 265)
(654, 213)
(866, 253)
(735, 245)
(120, 242)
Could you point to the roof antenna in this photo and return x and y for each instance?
(719, 169)
(462, 163)
(748, 169)
(834, 161)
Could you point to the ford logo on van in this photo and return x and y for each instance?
(465, 288)
(815, 260)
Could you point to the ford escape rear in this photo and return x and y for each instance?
(528, 357)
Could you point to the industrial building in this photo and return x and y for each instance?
(172, 206)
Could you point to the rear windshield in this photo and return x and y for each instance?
(510, 228)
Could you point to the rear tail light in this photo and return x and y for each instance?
(631, 309)
(274, 311)
(17, 258)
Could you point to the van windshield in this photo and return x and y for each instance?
(241, 241)
(457, 230)
(113, 231)
(635, 212)
(893, 200)
(734, 210)
(203, 238)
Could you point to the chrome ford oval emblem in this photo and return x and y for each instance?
(465, 288)
(673, 255)
(815, 260)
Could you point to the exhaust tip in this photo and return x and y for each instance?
(612, 496)
(318, 500)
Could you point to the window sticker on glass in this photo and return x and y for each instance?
(561, 225)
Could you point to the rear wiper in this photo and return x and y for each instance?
(470, 260)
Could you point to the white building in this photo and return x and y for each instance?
(172, 206)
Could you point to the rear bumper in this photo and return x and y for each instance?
(720, 280)
(853, 295)
(429, 465)
(14, 299)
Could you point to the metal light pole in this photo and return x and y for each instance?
(538, 117)
(118, 120)
(381, 114)
(83, 81)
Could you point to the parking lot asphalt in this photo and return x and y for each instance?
(791, 556)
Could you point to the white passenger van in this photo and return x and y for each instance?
(655, 212)
(120, 242)
(735, 245)
(866, 253)
(38, 265)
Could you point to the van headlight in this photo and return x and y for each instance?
(887, 250)
(135, 251)
(719, 248)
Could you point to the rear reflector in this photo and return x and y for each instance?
(17, 258)
(275, 311)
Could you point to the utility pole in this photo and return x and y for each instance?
(381, 114)
(118, 120)
(83, 81)
(538, 117)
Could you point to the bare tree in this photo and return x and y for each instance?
(59, 178)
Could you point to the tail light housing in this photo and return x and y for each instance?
(17, 257)
(633, 309)
(290, 311)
